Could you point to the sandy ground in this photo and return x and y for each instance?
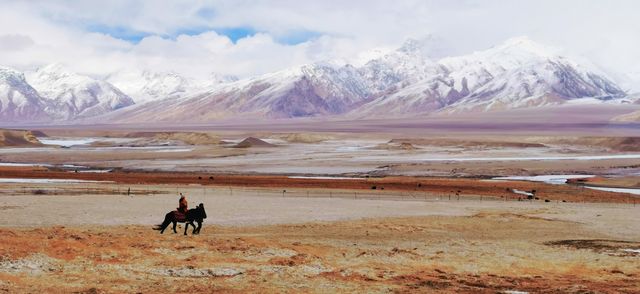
(232, 206)
(104, 244)
(241, 208)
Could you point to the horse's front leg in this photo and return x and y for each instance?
(195, 229)
(186, 226)
(199, 227)
(174, 227)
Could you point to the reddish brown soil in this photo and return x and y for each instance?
(440, 186)
(401, 255)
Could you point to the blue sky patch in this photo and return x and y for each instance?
(297, 37)
(233, 33)
(118, 32)
(236, 33)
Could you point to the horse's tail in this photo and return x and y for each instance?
(165, 223)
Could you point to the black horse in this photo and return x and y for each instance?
(196, 214)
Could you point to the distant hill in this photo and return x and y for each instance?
(253, 142)
(18, 138)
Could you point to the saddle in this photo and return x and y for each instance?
(180, 216)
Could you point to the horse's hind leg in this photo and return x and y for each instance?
(174, 227)
(163, 226)
(186, 226)
(165, 223)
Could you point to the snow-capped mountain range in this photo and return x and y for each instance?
(518, 73)
(145, 85)
(406, 82)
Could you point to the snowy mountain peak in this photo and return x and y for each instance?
(8, 72)
(146, 85)
(526, 43)
(10, 76)
(18, 100)
(50, 79)
(397, 68)
(55, 69)
(512, 53)
(411, 46)
(73, 95)
(216, 78)
(429, 47)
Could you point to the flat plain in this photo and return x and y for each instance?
(321, 211)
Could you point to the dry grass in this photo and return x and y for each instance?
(485, 253)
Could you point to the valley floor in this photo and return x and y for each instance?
(493, 250)
(92, 242)
(320, 213)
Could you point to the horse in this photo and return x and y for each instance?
(196, 214)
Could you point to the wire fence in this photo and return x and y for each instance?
(106, 189)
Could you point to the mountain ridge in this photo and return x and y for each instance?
(518, 73)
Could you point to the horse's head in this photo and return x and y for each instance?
(201, 208)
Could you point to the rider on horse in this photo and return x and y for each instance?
(182, 204)
(181, 211)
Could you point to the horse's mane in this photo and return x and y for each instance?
(197, 212)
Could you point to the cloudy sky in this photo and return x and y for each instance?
(245, 38)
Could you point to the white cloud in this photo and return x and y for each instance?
(33, 33)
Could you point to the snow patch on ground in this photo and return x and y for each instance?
(550, 179)
(325, 178)
(616, 190)
(632, 250)
(522, 192)
(47, 181)
(22, 164)
(175, 150)
(68, 142)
